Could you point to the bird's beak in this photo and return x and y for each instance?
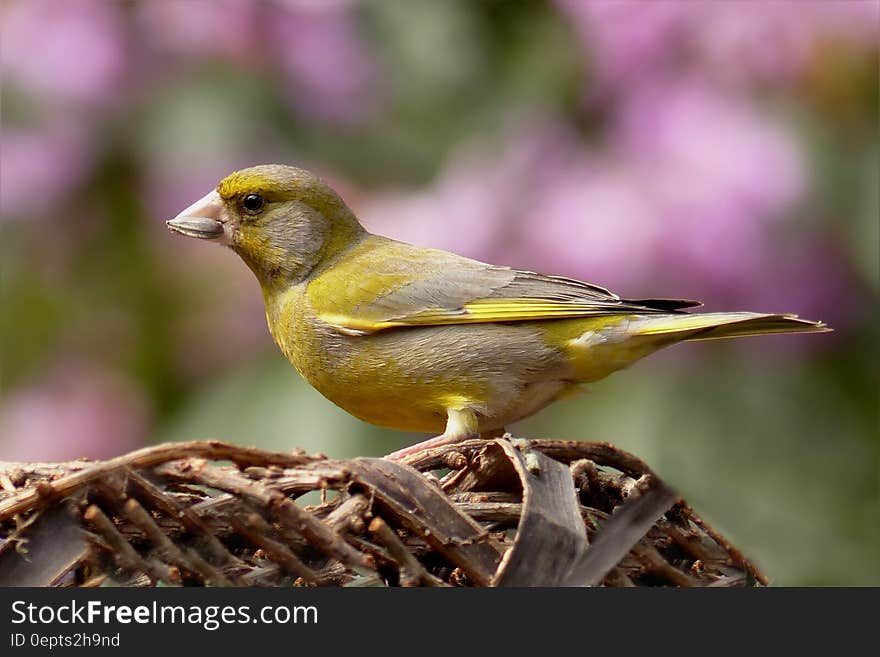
(204, 219)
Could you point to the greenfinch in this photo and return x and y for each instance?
(423, 340)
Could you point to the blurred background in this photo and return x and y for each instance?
(724, 152)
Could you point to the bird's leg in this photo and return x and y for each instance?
(461, 424)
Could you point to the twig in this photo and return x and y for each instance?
(282, 509)
(186, 516)
(412, 573)
(258, 532)
(143, 521)
(602, 453)
(124, 554)
(654, 561)
(436, 457)
(737, 556)
(148, 457)
(349, 515)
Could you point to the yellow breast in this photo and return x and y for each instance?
(374, 377)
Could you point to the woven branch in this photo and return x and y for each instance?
(504, 512)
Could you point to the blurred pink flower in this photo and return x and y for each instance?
(631, 40)
(776, 40)
(703, 143)
(598, 221)
(78, 410)
(52, 160)
(625, 39)
(718, 170)
(199, 27)
(68, 51)
(687, 188)
(461, 212)
(813, 280)
(476, 205)
(330, 70)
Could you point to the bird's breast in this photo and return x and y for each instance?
(369, 376)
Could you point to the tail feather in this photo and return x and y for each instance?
(669, 305)
(714, 326)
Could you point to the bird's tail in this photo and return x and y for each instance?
(713, 326)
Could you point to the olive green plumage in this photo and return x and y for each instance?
(424, 340)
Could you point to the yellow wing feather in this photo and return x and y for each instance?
(411, 286)
(475, 312)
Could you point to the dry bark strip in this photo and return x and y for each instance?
(425, 511)
(551, 538)
(43, 551)
(620, 533)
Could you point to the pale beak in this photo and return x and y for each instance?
(204, 219)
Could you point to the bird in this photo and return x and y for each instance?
(423, 340)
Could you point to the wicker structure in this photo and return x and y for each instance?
(505, 512)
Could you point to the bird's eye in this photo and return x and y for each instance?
(253, 203)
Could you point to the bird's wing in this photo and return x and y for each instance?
(389, 284)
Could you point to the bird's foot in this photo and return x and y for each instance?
(436, 441)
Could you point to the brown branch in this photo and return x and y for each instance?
(148, 457)
(275, 502)
(349, 515)
(258, 532)
(143, 521)
(738, 557)
(412, 573)
(124, 554)
(186, 516)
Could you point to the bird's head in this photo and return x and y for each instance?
(283, 221)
